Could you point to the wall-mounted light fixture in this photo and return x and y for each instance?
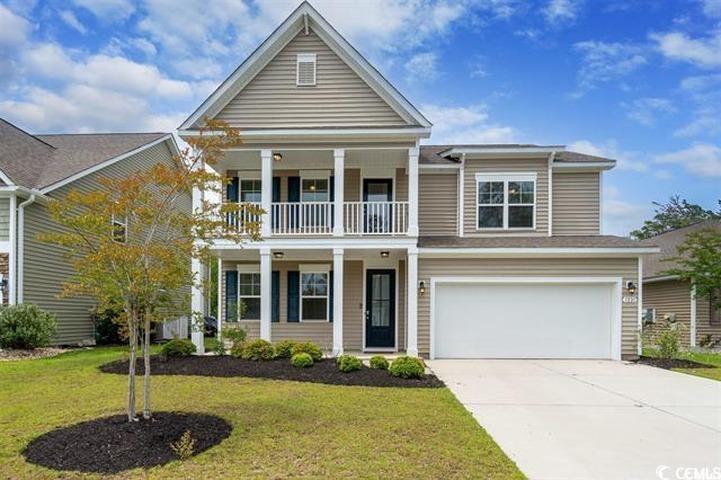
(631, 288)
(385, 254)
(277, 156)
(278, 255)
(422, 287)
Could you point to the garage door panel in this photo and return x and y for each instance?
(479, 320)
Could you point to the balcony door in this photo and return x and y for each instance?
(377, 211)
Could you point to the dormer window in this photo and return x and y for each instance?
(305, 70)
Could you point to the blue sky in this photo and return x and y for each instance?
(638, 81)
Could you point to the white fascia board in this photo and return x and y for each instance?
(6, 179)
(520, 152)
(435, 166)
(165, 138)
(318, 243)
(533, 252)
(320, 133)
(585, 165)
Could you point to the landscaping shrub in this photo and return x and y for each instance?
(310, 348)
(284, 349)
(407, 367)
(26, 326)
(257, 350)
(236, 335)
(216, 346)
(348, 363)
(178, 347)
(301, 360)
(668, 342)
(236, 350)
(108, 327)
(379, 362)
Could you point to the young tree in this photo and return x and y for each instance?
(131, 241)
(675, 213)
(699, 263)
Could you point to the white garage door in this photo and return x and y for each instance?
(523, 320)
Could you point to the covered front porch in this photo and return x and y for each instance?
(353, 298)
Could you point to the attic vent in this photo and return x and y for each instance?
(305, 72)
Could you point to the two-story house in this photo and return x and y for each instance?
(374, 242)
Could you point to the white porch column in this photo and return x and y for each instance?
(339, 171)
(197, 304)
(337, 301)
(265, 293)
(413, 191)
(412, 284)
(266, 194)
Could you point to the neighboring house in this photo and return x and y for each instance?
(35, 168)
(665, 297)
(374, 243)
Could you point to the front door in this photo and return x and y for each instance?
(377, 195)
(380, 309)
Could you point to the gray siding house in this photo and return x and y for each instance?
(35, 168)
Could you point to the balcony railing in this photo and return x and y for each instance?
(317, 218)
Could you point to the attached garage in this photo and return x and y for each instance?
(527, 317)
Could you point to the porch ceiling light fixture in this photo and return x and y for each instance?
(422, 287)
(385, 253)
(631, 288)
(278, 255)
(277, 156)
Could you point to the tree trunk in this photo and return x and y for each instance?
(146, 373)
(133, 338)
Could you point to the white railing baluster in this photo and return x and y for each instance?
(376, 218)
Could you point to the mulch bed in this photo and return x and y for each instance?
(9, 354)
(324, 371)
(668, 364)
(112, 444)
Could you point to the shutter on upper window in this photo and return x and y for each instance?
(305, 71)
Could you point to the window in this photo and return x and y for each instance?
(250, 191)
(314, 190)
(506, 201)
(119, 229)
(313, 295)
(249, 295)
(649, 315)
(305, 69)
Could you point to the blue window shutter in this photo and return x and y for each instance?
(275, 296)
(293, 296)
(294, 189)
(231, 296)
(232, 189)
(276, 190)
(331, 189)
(330, 296)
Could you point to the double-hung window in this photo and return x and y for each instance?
(314, 293)
(505, 201)
(250, 191)
(249, 293)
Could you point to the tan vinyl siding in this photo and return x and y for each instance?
(351, 185)
(46, 268)
(339, 98)
(353, 305)
(576, 203)
(531, 165)
(671, 297)
(4, 219)
(438, 204)
(401, 186)
(704, 329)
(523, 267)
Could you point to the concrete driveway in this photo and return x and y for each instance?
(576, 419)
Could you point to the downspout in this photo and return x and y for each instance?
(551, 158)
(21, 246)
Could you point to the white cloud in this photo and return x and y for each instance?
(605, 62)
(72, 21)
(609, 149)
(620, 217)
(704, 92)
(558, 11)
(465, 125)
(702, 52)
(13, 28)
(647, 110)
(712, 8)
(120, 46)
(422, 67)
(703, 159)
(110, 10)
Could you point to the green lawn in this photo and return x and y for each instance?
(281, 429)
(707, 358)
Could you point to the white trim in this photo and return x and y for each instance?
(380, 264)
(219, 293)
(6, 179)
(639, 301)
(484, 151)
(433, 166)
(246, 270)
(14, 258)
(531, 251)
(266, 274)
(165, 138)
(616, 282)
(461, 195)
(585, 165)
(338, 282)
(305, 58)
(309, 132)
(692, 333)
(347, 243)
(550, 193)
(505, 178)
(5, 246)
(309, 268)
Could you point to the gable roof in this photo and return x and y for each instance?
(302, 17)
(668, 242)
(44, 161)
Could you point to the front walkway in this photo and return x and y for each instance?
(567, 419)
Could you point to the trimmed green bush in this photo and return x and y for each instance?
(348, 363)
(407, 367)
(216, 346)
(179, 347)
(379, 362)
(301, 360)
(107, 326)
(257, 350)
(310, 348)
(26, 326)
(234, 334)
(236, 350)
(284, 349)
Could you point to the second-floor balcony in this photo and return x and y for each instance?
(318, 218)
